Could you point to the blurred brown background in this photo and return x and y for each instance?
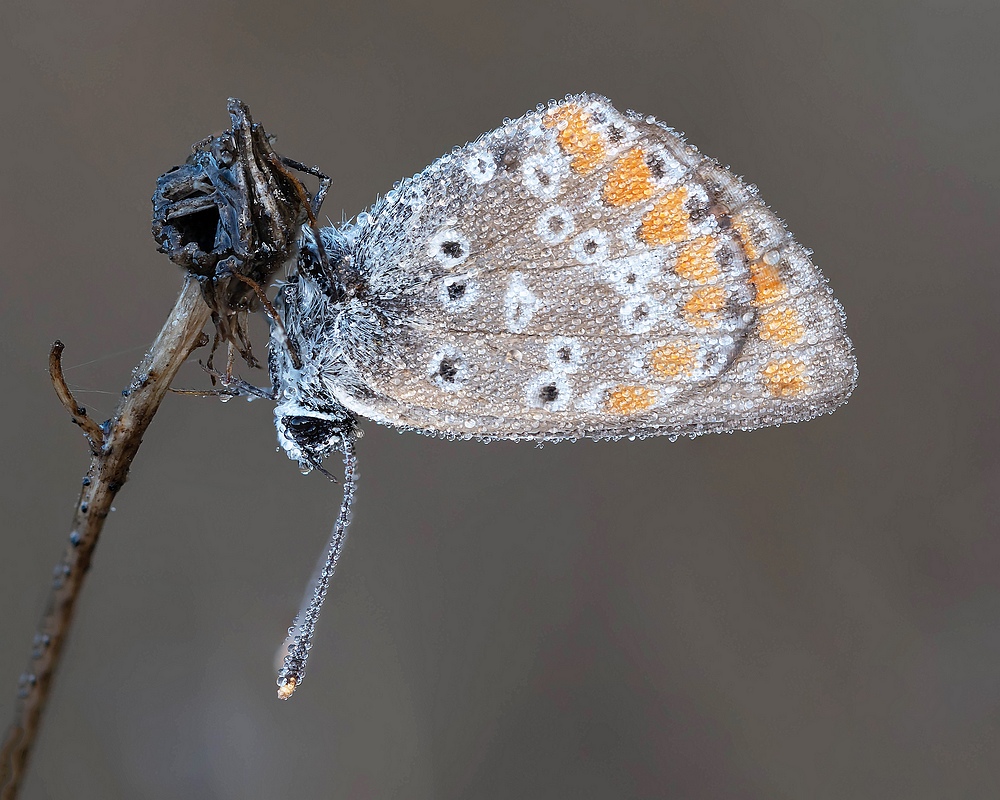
(804, 612)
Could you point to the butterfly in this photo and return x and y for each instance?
(577, 272)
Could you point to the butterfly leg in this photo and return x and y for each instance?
(233, 387)
(325, 181)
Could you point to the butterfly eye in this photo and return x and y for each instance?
(311, 434)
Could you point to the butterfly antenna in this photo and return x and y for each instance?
(300, 635)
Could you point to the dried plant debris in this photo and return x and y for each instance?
(231, 215)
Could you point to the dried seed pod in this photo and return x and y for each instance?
(234, 207)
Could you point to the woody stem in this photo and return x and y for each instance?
(113, 446)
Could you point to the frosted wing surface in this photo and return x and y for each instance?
(584, 272)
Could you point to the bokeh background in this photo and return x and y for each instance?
(811, 611)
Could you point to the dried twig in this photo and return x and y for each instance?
(93, 431)
(238, 183)
(113, 446)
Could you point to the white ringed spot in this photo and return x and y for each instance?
(480, 166)
(549, 391)
(639, 313)
(554, 225)
(543, 175)
(458, 292)
(564, 354)
(448, 247)
(591, 247)
(630, 276)
(519, 304)
(449, 368)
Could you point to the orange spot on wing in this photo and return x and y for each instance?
(576, 138)
(785, 378)
(696, 262)
(667, 221)
(672, 359)
(747, 237)
(704, 304)
(627, 400)
(768, 285)
(630, 180)
(781, 325)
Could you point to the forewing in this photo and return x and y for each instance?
(582, 272)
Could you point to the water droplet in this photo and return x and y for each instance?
(25, 684)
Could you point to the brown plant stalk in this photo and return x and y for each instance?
(113, 446)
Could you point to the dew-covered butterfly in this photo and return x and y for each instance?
(578, 272)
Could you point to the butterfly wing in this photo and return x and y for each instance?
(584, 272)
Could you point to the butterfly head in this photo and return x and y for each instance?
(306, 362)
(308, 436)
